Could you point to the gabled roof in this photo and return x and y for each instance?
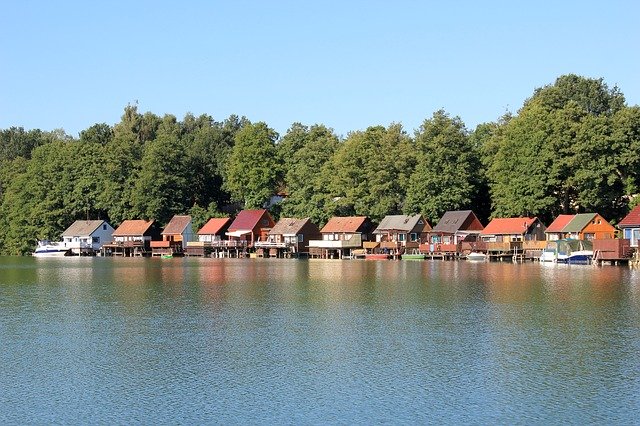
(560, 222)
(401, 222)
(632, 219)
(177, 225)
(344, 224)
(247, 219)
(288, 226)
(508, 226)
(215, 225)
(82, 228)
(133, 227)
(460, 220)
(579, 222)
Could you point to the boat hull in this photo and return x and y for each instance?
(50, 253)
(413, 257)
(376, 256)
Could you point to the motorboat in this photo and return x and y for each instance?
(476, 256)
(568, 251)
(46, 248)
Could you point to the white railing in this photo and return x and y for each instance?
(352, 242)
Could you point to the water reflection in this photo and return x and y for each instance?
(274, 341)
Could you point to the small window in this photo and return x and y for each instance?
(104, 226)
(300, 238)
(414, 236)
(265, 222)
(96, 239)
(401, 237)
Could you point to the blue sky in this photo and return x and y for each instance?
(348, 65)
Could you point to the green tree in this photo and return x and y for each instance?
(308, 173)
(447, 162)
(371, 170)
(252, 168)
(557, 155)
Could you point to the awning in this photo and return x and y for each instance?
(239, 233)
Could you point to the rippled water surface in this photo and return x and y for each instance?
(286, 341)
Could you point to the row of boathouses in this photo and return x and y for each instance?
(254, 233)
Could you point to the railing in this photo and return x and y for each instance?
(354, 241)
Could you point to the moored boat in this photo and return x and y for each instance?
(476, 256)
(376, 256)
(568, 251)
(48, 249)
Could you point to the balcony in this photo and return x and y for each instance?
(354, 241)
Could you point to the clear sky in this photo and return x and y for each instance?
(345, 64)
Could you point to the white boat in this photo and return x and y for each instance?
(48, 249)
(476, 256)
(568, 251)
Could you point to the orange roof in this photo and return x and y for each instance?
(632, 219)
(214, 226)
(560, 222)
(133, 227)
(344, 224)
(508, 226)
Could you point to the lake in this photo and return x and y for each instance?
(237, 341)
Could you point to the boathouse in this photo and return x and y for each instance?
(250, 226)
(513, 229)
(211, 238)
(454, 227)
(289, 237)
(397, 234)
(555, 231)
(86, 237)
(583, 226)
(341, 236)
(175, 236)
(132, 238)
(630, 227)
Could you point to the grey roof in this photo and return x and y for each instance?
(398, 222)
(81, 228)
(288, 226)
(452, 221)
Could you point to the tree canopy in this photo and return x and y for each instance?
(574, 146)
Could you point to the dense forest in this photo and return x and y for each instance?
(573, 146)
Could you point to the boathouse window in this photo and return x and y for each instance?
(300, 238)
(401, 237)
(589, 236)
(414, 236)
(96, 240)
(104, 226)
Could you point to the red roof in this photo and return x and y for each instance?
(560, 222)
(214, 226)
(133, 227)
(632, 219)
(249, 219)
(508, 226)
(344, 224)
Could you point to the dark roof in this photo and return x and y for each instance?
(344, 224)
(560, 222)
(288, 226)
(247, 220)
(177, 225)
(133, 227)
(508, 226)
(632, 219)
(454, 221)
(82, 227)
(215, 225)
(579, 222)
(400, 222)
